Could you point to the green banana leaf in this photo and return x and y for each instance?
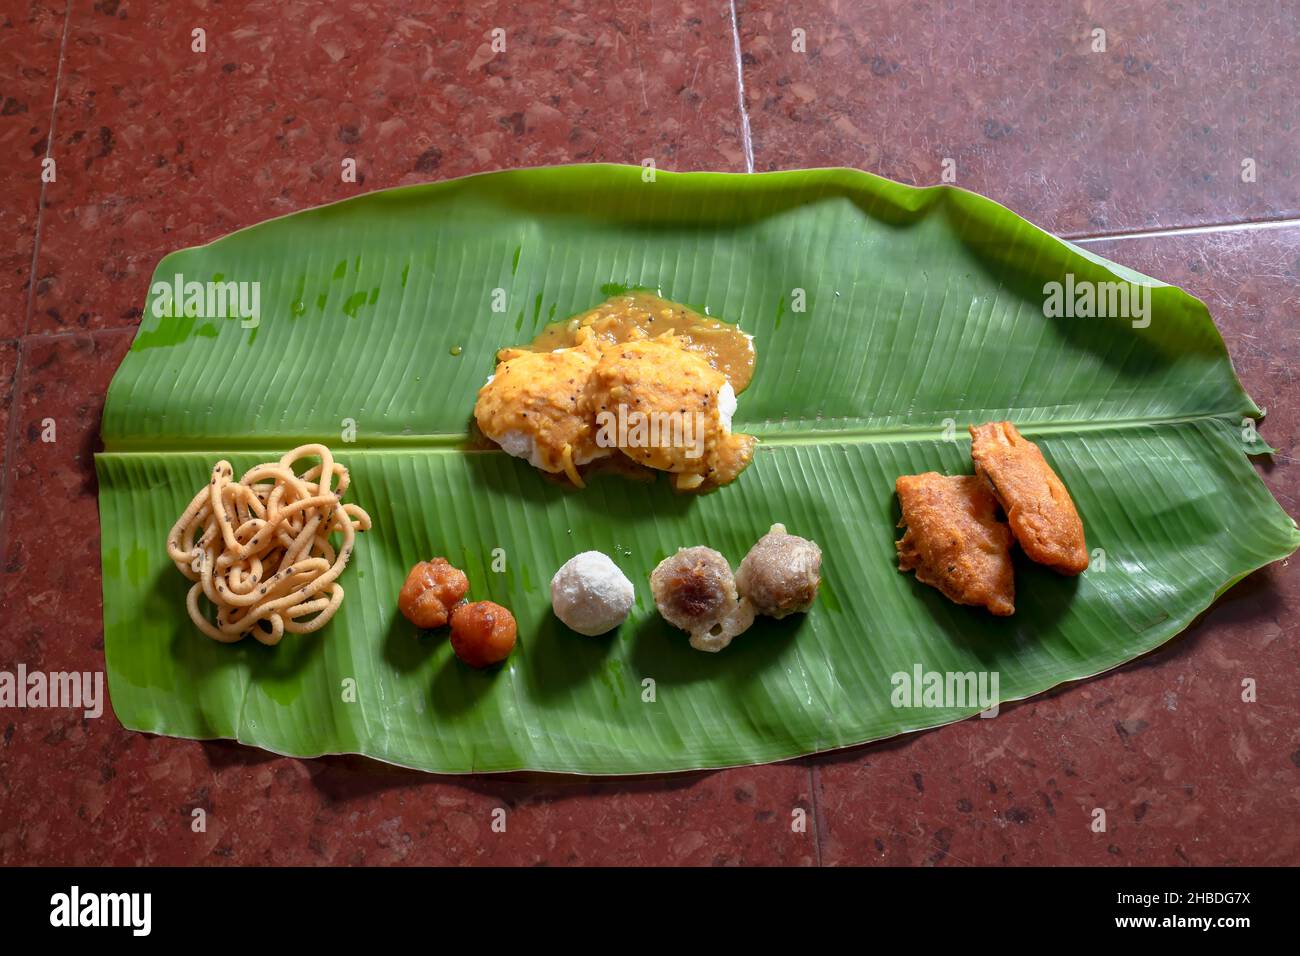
(886, 319)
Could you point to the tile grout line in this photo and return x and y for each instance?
(1241, 225)
(49, 149)
(746, 139)
(11, 429)
(816, 812)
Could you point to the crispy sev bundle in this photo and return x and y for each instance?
(259, 548)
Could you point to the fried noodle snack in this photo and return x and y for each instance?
(954, 541)
(1042, 514)
(259, 548)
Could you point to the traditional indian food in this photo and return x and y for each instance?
(780, 574)
(482, 633)
(431, 590)
(535, 406)
(261, 550)
(1038, 507)
(637, 377)
(590, 594)
(954, 540)
(632, 316)
(666, 408)
(695, 590)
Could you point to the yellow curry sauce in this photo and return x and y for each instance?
(635, 315)
(635, 359)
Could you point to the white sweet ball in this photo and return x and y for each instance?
(590, 594)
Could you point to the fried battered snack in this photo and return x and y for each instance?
(1042, 515)
(954, 541)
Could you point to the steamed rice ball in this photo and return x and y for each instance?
(590, 594)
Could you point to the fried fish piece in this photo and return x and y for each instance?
(954, 540)
(1042, 515)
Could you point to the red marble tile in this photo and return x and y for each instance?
(166, 148)
(30, 36)
(8, 374)
(131, 800)
(49, 557)
(79, 790)
(49, 580)
(1186, 771)
(1152, 132)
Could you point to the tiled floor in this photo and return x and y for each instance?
(159, 147)
(1149, 133)
(30, 42)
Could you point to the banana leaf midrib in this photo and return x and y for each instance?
(455, 442)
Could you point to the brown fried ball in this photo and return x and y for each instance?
(694, 590)
(1039, 509)
(482, 633)
(431, 590)
(781, 573)
(954, 540)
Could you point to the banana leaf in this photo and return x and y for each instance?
(886, 319)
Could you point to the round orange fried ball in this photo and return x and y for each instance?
(431, 590)
(482, 633)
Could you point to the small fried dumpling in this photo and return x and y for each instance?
(694, 590)
(954, 540)
(1041, 513)
(781, 573)
(535, 407)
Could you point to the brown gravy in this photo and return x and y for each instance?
(636, 314)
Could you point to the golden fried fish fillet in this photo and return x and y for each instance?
(1039, 509)
(954, 540)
